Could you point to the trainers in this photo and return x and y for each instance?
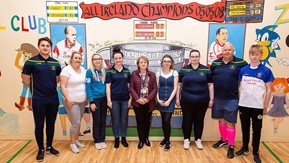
(186, 144)
(103, 145)
(116, 142)
(199, 144)
(220, 144)
(167, 146)
(86, 131)
(79, 145)
(163, 142)
(242, 152)
(124, 142)
(230, 153)
(74, 148)
(98, 146)
(256, 158)
(40, 156)
(52, 151)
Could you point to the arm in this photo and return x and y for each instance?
(63, 86)
(57, 79)
(26, 79)
(176, 80)
(178, 97)
(132, 90)
(88, 85)
(267, 97)
(108, 95)
(211, 93)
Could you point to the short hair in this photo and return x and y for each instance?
(256, 47)
(219, 30)
(142, 57)
(72, 55)
(172, 61)
(195, 50)
(66, 29)
(228, 43)
(44, 39)
(117, 52)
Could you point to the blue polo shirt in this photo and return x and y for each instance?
(119, 83)
(195, 83)
(225, 77)
(43, 73)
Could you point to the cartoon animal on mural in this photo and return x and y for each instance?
(25, 52)
(280, 88)
(268, 39)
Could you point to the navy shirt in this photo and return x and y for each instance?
(195, 83)
(43, 74)
(225, 77)
(119, 83)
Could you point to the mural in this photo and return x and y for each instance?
(268, 39)
(280, 88)
(8, 123)
(25, 52)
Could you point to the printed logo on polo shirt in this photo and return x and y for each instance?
(125, 75)
(260, 116)
(53, 68)
(202, 74)
(232, 67)
(259, 75)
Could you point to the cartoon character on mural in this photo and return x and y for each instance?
(25, 52)
(268, 39)
(280, 88)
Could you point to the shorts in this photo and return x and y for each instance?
(226, 109)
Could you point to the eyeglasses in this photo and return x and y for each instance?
(97, 59)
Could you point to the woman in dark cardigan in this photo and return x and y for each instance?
(143, 89)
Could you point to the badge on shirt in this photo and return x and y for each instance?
(202, 74)
(53, 68)
(232, 67)
(125, 75)
(259, 75)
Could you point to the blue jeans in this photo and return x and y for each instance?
(119, 116)
(99, 120)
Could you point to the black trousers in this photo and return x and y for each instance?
(99, 119)
(143, 120)
(166, 124)
(44, 109)
(193, 113)
(246, 116)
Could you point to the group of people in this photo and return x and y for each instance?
(195, 88)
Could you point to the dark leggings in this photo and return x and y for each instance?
(166, 124)
(193, 113)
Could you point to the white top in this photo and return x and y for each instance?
(76, 83)
(172, 72)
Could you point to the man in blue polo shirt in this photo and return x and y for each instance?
(41, 74)
(225, 79)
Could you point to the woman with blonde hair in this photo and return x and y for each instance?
(95, 89)
(72, 83)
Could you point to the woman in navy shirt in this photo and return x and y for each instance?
(118, 98)
(195, 94)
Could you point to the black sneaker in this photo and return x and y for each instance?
(116, 142)
(147, 142)
(124, 142)
(220, 144)
(86, 131)
(163, 143)
(40, 156)
(52, 151)
(230, 153)
(242, 152)
(167, 146)
(256, 158)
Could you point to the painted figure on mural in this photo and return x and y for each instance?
(280, 88)
(25, 52)
(267, 38)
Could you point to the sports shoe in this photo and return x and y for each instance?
(220, 144)
(98, 146)
(163, 142)
(124, 142)
(103, 145)
(40, 156)
(86, 131)
(230, 153)
(79, 145)
(116, 142)
(186, 144)
(74, 148)
(52, 151)
(167, 146)
(256, 158)
(199, 144)
(242, 152)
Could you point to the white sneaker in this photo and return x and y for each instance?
(199, 144)
(186, 144)
(74, 148)
(103, 145)
(98, 146)
(79, 145)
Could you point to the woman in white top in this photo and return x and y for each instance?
(72, 83)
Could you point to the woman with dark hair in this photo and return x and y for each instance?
(195, 94)
(167, 81)
(118, 98)
(143, 90)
